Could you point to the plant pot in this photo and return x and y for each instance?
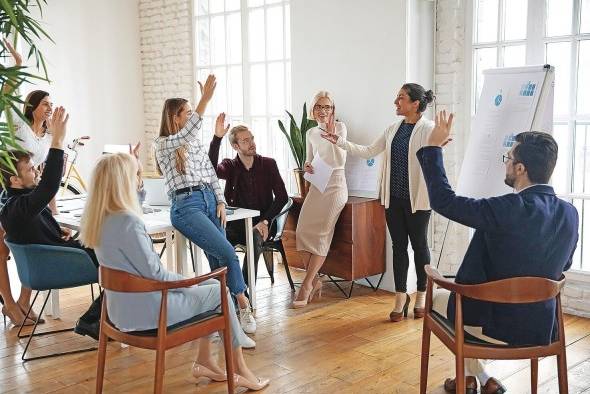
(302, 184)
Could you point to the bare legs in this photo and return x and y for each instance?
(314, 264)
(204, 358)
(13, 309)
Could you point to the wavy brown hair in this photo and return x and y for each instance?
(172, 107)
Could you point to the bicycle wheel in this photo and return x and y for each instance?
(72, 190)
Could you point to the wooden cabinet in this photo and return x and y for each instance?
(358, 246)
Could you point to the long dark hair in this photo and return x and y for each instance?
(31, 103)
(418, 93)
(172, 107)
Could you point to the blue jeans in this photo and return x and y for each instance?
(194, 214)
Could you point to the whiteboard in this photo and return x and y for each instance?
(512, 100)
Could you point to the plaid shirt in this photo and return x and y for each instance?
(198, 166)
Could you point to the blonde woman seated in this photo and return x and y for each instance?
(112, 225)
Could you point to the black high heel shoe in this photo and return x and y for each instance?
(395, 317)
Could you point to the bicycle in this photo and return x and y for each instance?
(71, 171)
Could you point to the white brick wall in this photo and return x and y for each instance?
(167, 60)
(450, 83)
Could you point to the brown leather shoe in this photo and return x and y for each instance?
(470, 385)
(395, 317)
(419, 313)
(493, 386)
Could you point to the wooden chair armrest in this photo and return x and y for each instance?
(218, 273)
(440, 280)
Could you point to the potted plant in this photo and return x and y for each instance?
(15, 20)
(296, 139)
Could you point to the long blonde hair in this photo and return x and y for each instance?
(172, 107)
(113, 188)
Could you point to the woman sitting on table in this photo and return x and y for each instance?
(112, 225)
(197, 202)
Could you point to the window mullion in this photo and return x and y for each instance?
(535, 48)
(246, 110)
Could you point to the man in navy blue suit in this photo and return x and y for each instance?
(527, 233)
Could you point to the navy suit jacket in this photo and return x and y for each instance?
(531, 233)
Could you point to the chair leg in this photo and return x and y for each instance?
(562, 372)
(102, 354)
(459, 374)
(269, 262)
(425, 358)
(163, 250)
(160, 364)
(286, 264)
(229, 359)
(534, 375)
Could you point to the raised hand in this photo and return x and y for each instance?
(441, 134)
(220, 130)
(331, 125)
(332, 137)
(207, 91)
(134, 151)
(307, 167)
(18, 59)
(59, 122)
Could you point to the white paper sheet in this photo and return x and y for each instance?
(321, 173)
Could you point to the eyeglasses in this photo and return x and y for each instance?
(246, 141)
(319, 108)
(505, 159)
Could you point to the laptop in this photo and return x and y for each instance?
(155, 190)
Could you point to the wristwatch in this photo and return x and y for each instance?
(265, 222)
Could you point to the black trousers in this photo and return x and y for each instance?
(402, 223)
(236, 235)
(93, 313)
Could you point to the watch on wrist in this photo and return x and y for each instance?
(265, 222)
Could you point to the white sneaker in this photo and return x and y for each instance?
(247, 320)
(250, 344)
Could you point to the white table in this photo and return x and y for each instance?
(159, 222)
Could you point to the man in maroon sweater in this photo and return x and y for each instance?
(252, 181)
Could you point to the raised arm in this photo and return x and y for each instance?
(223, 170)
(364, 151)
(45, 191)
(189, 132)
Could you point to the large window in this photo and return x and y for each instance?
(246, 44)
(518, 32)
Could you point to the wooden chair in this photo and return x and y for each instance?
(509, 291)
(164, 337)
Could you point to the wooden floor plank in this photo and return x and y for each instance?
(333, 345)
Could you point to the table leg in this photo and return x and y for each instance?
(250, 259)
(169, 251)
(54, 308)
(180, 251)
(199, 270)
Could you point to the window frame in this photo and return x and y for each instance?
(536, 42)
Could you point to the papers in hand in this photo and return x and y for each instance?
(321, 173)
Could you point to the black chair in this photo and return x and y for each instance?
(274, 243)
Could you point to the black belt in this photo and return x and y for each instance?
(190, 189)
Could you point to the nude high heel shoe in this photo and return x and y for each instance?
(399, 316)
(201, 371)
(254, 386)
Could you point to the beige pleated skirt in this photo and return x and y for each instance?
(319, 214)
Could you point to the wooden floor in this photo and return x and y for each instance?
(332, 346)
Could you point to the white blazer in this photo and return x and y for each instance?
(418, 193)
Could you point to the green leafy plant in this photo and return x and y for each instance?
(297, 134)
(16, 20)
